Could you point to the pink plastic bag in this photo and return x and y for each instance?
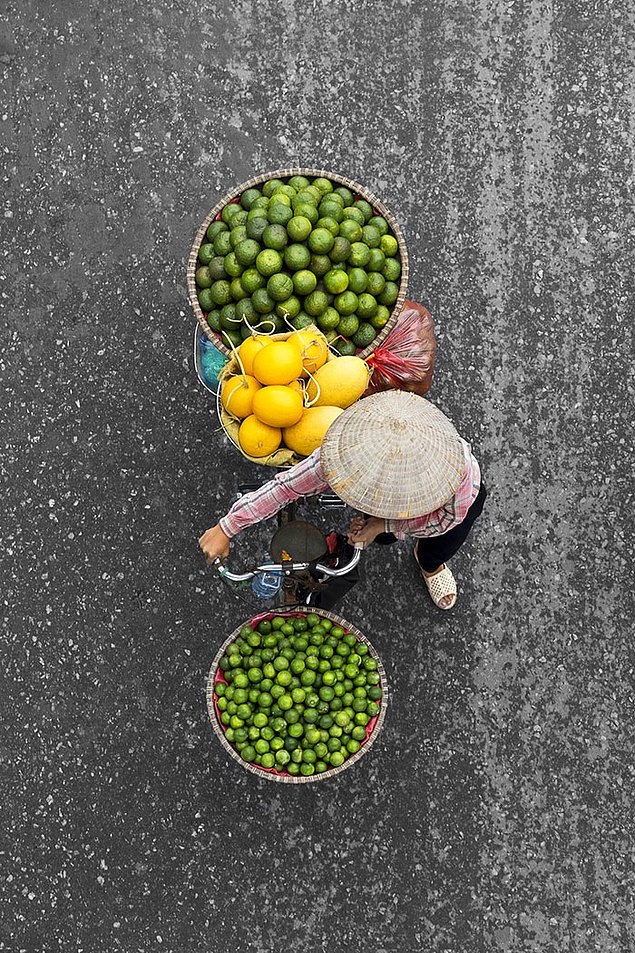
(405, 359)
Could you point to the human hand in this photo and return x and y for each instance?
(363, 531)
(214, 543)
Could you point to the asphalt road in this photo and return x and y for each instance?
(495, 812)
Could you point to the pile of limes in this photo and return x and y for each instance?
(299, 252)
(297, 694)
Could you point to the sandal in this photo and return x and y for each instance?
(439, 585)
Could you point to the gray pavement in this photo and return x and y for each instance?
(495, 812)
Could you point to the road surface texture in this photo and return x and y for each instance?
(495, 812)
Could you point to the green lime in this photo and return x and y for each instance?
(221, 292)
(346, 303)
(316, 303)
(269, 260)
(290, 307)
(320, 241)
(328, 320)
(214, 229)
(299, 182)
(331, 210)
(391, 270)
(320, 264)
(307, 197)
(248, 197)
(296, 257)
(247, 251)
(203, 278)
(307, 211)
(341, 249)
(255, 227)
(213, 319)
(227, 214)
(364, 335)
(228, 317)
(279, 214)
(205, 299)
(286, 190)
(232, 266)
(223, 244)
(390, 294)
(357, 280)
(275, 236)
(248, 753)
(299, 228)
(217, 267)
(343, 347)
(237, 235)
(269, 187)
(304, 282)
(350, 211)
(345, 194)
(371, 236)
(365, 208)
(376, 261)
(251, 280)
(360, 254)
(280, 286)
(329, 223)
(336, 281)
(376, 283)
(366, 307)
(336, 758)
(302, 320)
(389, 245)
(381, 317)
(380, 223)
(322, 184)
(351, 230)
(206, 253)
(237, 290)
(262, 301)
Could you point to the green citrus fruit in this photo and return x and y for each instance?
(232, 266)
(320, 241)
(381, 317)
(299, 182)
(390, 294)
(297, 256)
(350, 211)
(376, 261)
(206, 253)
(316, 303)
(270, 185)
(351, 230)
(328, 320)
(202, 277)
(247, 251)
(269, 260)
(365, 208)
(251, 280)
(376, 283)
(391, 270)
(366, 307)
(221, 292)
(222, 243)
(341, 249)
(280, 286)
(364, 335)
(299, 228)
(360, 255)
(304, 210)
(246, 311)
(320, 264)
(213, 320)
(335, 281)
(330, 224)
(346, 303)
(290, 307)
(279, 214)
(275, 236)
(357, 280)
(304, 282)
(262, 301)
(214, 228)
(255, 227)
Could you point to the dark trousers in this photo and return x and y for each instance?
(432, 551)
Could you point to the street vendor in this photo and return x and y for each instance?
(397, 459)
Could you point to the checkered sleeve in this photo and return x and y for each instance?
(303, 479)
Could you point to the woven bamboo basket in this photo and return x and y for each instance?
(360, 192)
(272, 774)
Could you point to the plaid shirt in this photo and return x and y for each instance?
(306, 478)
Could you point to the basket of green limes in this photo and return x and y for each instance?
(297, 696)
(297, 247)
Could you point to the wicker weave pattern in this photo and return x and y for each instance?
(355, 187)
(393, 455)
(288, 778)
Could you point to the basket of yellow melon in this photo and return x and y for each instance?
(280, 393)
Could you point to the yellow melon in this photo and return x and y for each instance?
(307, 435)
(341, 382)
(277, 363)
(277, 405)
(249, 348)
(237, 394)
(312, 347)
(257, 439)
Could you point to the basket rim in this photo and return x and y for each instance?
(287, 173)
(268, 775)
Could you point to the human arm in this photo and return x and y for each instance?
(363, 531)
(214, 543)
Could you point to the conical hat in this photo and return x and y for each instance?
(393, 455)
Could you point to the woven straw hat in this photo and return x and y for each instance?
(393, 455)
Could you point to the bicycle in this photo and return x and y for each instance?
(308, 567)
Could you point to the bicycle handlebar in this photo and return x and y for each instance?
(285, 568)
